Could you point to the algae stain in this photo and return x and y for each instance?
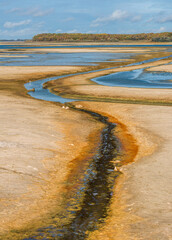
(96, 191)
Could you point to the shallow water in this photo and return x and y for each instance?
(79, 46)
(97, 191)
(44, 94)
(136, 78)
(64, 59)
(100, 175)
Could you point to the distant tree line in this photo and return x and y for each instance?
(103, 37)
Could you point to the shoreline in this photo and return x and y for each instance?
(30, 42)
(146, 136)
(19, 136)
(86, 89)
(129, 213)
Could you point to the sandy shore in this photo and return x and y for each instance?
(89, 50)
(44, 149)
(141, 208)
(81, 86)
(163, 68)
(25, 73)
(11, 56)
(38, 142)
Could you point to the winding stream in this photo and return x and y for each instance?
(100, 176)
(134, 78)
(97, 190)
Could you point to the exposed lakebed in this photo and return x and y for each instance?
(100, 175)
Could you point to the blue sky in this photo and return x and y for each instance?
(25, 18)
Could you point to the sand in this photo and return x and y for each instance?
(141, 208)
(22, 73)
(163, 68)
(88, 50)
(70, 86)
(38, 142)
(11, 56)
(43, 146)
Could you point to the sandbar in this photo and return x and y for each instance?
(82, 86)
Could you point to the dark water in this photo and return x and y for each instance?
(136, 78)
(98, 190)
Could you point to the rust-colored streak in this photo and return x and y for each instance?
(129, 147)
(78, 165)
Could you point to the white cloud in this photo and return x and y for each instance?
(16, 24)
(14, 10)
(150, 20)
(24, 33)
(165, 19)
(116, 15)
(35, 12)
(73, 31)
(58, 31)
(91, 32)
(68, 19)
(161, 17)
(136, 18)
(94, 24)
(79, 10)
(162, 29)
(42, 13)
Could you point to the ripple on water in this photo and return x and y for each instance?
(137, 79)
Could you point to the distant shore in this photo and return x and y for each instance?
(54, 43)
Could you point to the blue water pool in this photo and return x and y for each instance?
(137, 78)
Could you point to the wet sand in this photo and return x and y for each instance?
(83, 87)
(45, 144)
(39, 140)
(141, 207)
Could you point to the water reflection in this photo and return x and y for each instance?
(53, 59)
(136, 78)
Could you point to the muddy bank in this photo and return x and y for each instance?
(141, 207)
(39, 140)
(82, 87)
(48, 150)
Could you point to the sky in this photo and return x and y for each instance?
(22, 19)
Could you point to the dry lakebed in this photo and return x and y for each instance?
(85, 150)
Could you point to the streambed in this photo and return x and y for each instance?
(99, 178)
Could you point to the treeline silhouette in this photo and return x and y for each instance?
(103, 37)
